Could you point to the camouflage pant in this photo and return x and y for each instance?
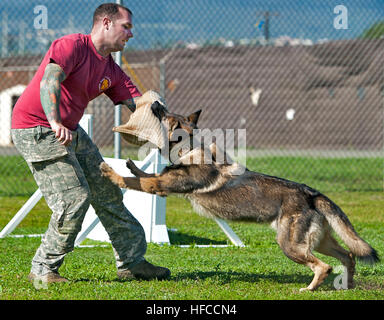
(70, 180)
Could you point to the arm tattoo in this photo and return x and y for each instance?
(50, 91)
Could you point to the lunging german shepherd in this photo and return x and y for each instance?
(302, 216)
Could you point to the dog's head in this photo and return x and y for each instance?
(177, 126)
(152, 122)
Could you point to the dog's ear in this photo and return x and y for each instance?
(158, 110)
(194, 117)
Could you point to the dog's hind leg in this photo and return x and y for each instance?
(321, 270)
(330, 247)
(297, 244)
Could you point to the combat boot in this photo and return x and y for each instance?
(50, 277)
(144, 271)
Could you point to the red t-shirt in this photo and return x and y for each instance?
(88, 74)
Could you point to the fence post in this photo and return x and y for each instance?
(117, 137)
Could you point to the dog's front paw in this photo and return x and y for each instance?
(105, 169)
(130, 165)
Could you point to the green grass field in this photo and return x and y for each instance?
(324, 174)
(258, 271)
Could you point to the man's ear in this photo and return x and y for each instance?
(158, 110)
(106, 22)
(194, 117)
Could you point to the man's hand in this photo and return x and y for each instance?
(63, 134)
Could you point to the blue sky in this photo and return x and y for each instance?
(158, 22)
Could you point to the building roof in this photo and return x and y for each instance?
(335, 90)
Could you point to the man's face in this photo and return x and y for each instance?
(120, 31)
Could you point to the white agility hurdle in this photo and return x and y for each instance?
(148, 209)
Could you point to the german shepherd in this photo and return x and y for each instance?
(302, 216)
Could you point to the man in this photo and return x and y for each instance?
(63, 159)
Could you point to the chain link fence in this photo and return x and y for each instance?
(305, 79)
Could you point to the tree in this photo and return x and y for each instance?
(376, 31)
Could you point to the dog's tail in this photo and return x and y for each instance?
(344, 229)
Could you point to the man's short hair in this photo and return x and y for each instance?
(108, 9)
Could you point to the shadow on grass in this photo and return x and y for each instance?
(232, 276)
(221, 277)
(178, 238)
(225, 277)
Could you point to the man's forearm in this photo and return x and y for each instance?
(50, 91)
